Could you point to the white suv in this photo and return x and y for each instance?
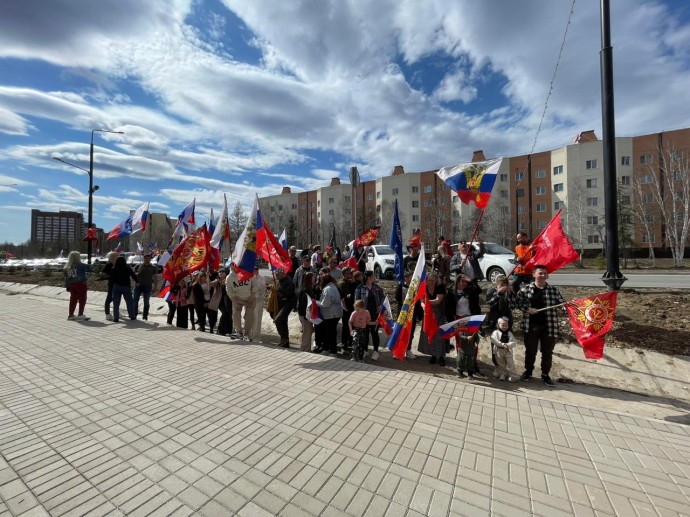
(497, 260)
(381, 260)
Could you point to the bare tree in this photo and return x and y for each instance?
(646, 214)
(671, 189)
(579, 218)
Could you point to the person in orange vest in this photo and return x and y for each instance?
(523, 253)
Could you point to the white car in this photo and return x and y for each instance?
(381, 260)
(497, 260)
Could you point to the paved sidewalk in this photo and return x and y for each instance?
(138, 418)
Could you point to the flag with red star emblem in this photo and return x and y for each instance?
(591, 319)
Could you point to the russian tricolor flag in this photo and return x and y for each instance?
(134, 223)
(313, 311)
(185, 218)
(283, 239)
(397, 343)
(472, 181)
(468, 325)
(384, 318)
(244, 255)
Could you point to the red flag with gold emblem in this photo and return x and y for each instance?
(91, 234)
(368, 237)
(591, 319)
(192, 254)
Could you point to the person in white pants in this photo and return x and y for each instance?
(503, 343)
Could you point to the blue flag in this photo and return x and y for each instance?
(396, 245)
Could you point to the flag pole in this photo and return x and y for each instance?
(474, 234)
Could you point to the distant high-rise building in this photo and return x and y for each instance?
(55, 231)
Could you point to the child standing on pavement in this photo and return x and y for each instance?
(359, 320)
(503, 343)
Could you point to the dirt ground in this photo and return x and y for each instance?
(646, 319)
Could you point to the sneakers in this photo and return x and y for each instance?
(410, 355)
(461, 375)
(246, 338)
(374, 356)
(497, 374)
(81, 317)
(547, 380)
(286, 344)
(513, 379)
(71, 318)
(526, 377)
(109, 317)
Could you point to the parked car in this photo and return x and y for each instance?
(381, 260)
(497, 260)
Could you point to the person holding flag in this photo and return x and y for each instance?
(524, 251)
(372, 295)
(540, 303)
(434, 309)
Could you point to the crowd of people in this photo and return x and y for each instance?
(219, 302)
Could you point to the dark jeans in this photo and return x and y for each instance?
(466, 358)
(201, 316)
(345, 336)
(138, 291)
(375, 340)
(538, 335)
(190, 313)
(172, 308)
(109, 297)
(119, 292)
(330, 334)
(212, 319)
(225, 323)
(319, 336)
(281, 321)
(182, 318)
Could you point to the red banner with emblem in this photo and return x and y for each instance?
(591, 319)
(368, 237)
(192, 254)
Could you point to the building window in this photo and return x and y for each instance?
(347, 199)
(541, 207)
(429, 202)
(427, 189)
(646, 179)
(592, 219)
(378, 208)
(505, 210)
(415, 190)
(394, 192)
(521, 209)
(677, 175)
(590, 164)
(519, 176)
(647, 198)
(540, 191)
(648, 239)
(331, 212)
(625, 200)
(592, 239)
(645, 159)
(558, 205)
(558, 169)
(331, 200)
(625, 180)
(541, 173)
(503, 177)
(294, 206)
(273, 209)
(415, 204)
(676, 156)
(625, 160)
(378, 195)
(592, 183)
(541, 225)
(592, 201)
(504, 194)
(318, 214)
(520, 192)
(415, 218)
(649, 218)
(558, 187)
(522, 225)
(370, 197)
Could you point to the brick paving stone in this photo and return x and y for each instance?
(164, 429)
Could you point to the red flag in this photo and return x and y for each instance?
(368, 237)
(591, 319)
(351, 262)
(269, 249)
(430, 324)
(552, 247)
(91, 235)
(192, 254)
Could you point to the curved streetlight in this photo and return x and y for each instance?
(92, 188)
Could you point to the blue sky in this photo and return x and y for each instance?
(238, 97)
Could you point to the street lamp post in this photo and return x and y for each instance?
(92, 188)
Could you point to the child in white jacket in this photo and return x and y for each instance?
(503, 343)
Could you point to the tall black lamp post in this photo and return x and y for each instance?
(92, 188)
(613, 278)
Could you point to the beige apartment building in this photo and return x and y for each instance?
(652, 179)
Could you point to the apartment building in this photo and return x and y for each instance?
(651, 171)
(57, 230)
